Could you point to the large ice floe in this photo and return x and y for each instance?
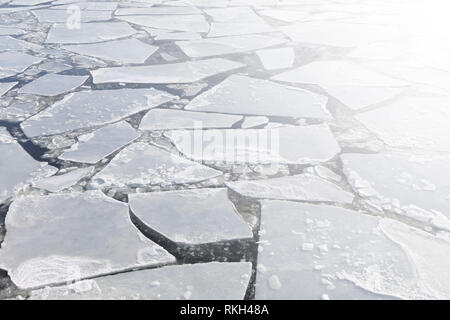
(67, 114)
(183, 282)
(142, 164)
(172, 214)
(285, 144)
(50, 239)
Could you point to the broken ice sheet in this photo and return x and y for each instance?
(222, 29)
(53, 84)
(50, 239)
(62, 181)
(99, 107)
(255, 121)
(165, 35)
(412, 121)
(309, 250)
(143, 164)
(12, 63)
(89, 32)
(305, 187)
(339, 34)
(17, 167)
(279, 58)
(63, 16)
(404, 184)
(194, 23)
(227, 45)
(10, 31)
(286, 144)
(284, 14)
(184, 72)
(185, 10)
(190, 216)
(121, 51)
(201, 281)
(93, 147)
(6, 86)
(162, 119)
(244, 95)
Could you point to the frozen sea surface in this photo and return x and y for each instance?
(224, 149)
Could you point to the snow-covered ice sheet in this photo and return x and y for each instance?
(143, 164)
(63, 237)
(95, 146)
(203, 281)
(183, 72)
(190, 216)
(99, 107)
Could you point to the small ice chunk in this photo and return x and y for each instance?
(162, 119)
(190, 216)
(121, 51)
(63, 181)
(51, 239)
(53, 84)
(89, 32)
(227, 45)
(93, 147)
(279, 58)
(141, 163)
(183, 72)
(99, 107)
(305, 187)
(244, 95)
(205, 281)
(286, 144)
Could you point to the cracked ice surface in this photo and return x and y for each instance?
(179, 282)
(43, 244)
(192, 217)
(301, 144)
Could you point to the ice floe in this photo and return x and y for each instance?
(17, 167)
(194, 23)
(142, 164)
(6, 86)
(273, 59)
(412, 121)
(185, 10)
(255, 121)
(244, 95)
(93, 147)
(12, 44)
(67, 115)
(63, 181)
(51, 239)
(308, 250)
(163, 119)
(12, 63)
(190, 216)
(183, 72)
(203, 281)
(286, 144)
(304, 187)
(53, 84)
(62, 16)
(89, 32)
(227, 45)
(404, 184)
(121, 51)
